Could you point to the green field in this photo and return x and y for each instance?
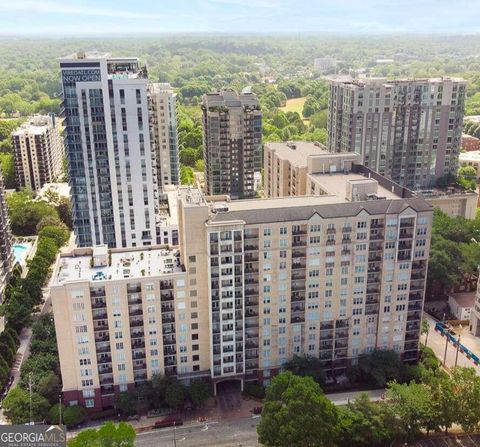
(295, 105)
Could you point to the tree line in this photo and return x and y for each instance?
(296, 412)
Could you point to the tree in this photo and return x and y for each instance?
(108, 435)
(310, 107)
(188, 156)
(124, 404)
(425, 329)
(467, 177)
(187, 177)
(412, 405)
(306, 366)
(54, 413)
(59, 233)
(16, 406)
(49, 386)
(466, 385)
(296, 413)
(364, 423)
(64, 209)
(199, 165)
(378, 367)
(74, 415)
(199, 392)
(8, 170)
(175, 394)
(443, 397)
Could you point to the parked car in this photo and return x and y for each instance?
(168, 422)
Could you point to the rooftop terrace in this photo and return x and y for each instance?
(129, 263)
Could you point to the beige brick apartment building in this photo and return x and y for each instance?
(252, 283)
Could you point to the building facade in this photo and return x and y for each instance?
(38, 152)
(164, 136)
(112, 162)
(232, 141)
(407, 130)
(252, 283)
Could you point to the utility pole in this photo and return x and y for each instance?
(458, 344)
(446, 346)
(175, 434)
(30, 395)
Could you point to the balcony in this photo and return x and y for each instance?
(102, 338)
(100, 316)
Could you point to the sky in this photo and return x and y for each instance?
(94, 17)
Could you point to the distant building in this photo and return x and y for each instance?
(112, 161)
(453, 201)
(471, 158)
(164, 133)
(461, 305)
(294, 168)
(232, 143)
(470, 143)
(407, 130)
(38, 152)
(324, 64)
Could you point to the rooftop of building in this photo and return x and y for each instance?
(337, 183)
(168, 214)
(439, 193)
(297, 152)
(35, 125)
(118, 264)
(362, 81)
(161, 87)
(469, 156)
(229, 98)
(80, 55)
(469, 137)
(377, 195)
(117, 67)
(464, 299)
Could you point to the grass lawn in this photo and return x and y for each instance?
(295, 105)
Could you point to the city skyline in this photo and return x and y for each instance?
(51, 17)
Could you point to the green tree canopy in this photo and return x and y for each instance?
(296, 413)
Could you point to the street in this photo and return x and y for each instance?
(437, 343)
(226, 433)
(241, 432)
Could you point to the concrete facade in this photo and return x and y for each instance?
(112, 161)
(163, 122)
(252, 283)
(38, 152)
(232, 143)
(407, 130)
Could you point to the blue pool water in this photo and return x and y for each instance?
(20, 252)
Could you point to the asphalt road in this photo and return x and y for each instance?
(233, 433)
(237, 433)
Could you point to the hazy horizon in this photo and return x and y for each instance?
(348, 17)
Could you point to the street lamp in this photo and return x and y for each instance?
(446, 346)
(175, 433)
(60, 397)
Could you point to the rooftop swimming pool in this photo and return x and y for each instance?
(20, 252)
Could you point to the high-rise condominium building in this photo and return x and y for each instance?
(38, 152)
(164, 133)
(407, 130)
(232, 140)
(112, 161)
(252, 283)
